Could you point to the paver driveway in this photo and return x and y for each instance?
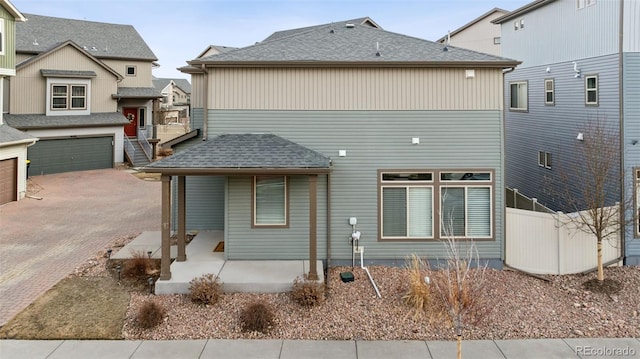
(42, 241)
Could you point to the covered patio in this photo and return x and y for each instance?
(235, 155)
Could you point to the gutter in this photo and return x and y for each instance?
(29, 142)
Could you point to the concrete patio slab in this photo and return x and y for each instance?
(103, 349)
(28, 349)
(485, 349)
(148, 241)
(260, 276)
(545, 348)
(392, 349)
(184, 272)
(169, 349)
(605, 347)
(309, 349)
(242, 348)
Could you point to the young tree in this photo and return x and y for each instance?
(593, 189)
(460, 285)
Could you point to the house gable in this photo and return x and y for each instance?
(64, 62)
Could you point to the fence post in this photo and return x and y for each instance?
(559, 244)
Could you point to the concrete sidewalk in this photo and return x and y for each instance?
(349, 349)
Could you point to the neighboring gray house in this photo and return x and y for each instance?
(479, 34)
(84, 88)
(580, 63)
(316, 132)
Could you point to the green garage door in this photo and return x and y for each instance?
(70, 154)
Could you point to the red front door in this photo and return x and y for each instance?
(131, 129)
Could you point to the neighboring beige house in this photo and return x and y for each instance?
(175, 102)
(13, 143)
(85, 89)
(479, 34)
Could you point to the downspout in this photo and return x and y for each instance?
(504, 169)
(623, 207)
(205, 114)
(328, 195)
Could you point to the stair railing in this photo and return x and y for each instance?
(144, 143)
(129, 149)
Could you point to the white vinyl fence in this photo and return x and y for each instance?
(546, 243)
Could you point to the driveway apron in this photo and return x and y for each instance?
(80, 213)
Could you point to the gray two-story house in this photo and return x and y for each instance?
(580, 68)
(317, 132)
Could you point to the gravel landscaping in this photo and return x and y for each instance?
(520, 306)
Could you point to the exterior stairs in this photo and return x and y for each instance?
(135, 154)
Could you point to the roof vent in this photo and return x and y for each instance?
(93, 48)
(349, 26)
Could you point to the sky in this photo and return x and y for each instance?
(179, 30)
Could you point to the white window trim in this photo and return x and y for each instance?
(51, 81)
(254, 211)
(3, 45)
(552, 91)
(545, 159)
(135, 70)
(587, 90)
(526, 95)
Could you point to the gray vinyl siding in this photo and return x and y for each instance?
(373, 140)
(244, 242)
(558, 32)
(204, 204)
(631, 108)
(197, 118)
(554, 128)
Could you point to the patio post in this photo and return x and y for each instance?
(313, 233)
(182, 218)
(165, 261)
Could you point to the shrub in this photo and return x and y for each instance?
(307, 293)
(205, 289)
(150, 314)
(418, 295)
(139, 266)
(256, 317)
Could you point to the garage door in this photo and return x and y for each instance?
(70, 154)
(8, 180)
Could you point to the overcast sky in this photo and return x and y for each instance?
(178, 30)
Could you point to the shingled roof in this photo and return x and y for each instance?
(352, 44)
(230, 153)
(34, 121)
(41, 33)
(11, 136)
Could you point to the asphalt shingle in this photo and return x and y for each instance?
(237, 151)
(9, 134)
(102, 40)
(33, 121)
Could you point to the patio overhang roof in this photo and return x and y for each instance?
(244, 154)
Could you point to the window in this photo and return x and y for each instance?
(518, 95)
(591, 90)
(581, 4)
(637, 201)
(68, 97)
(544, 159)
(2, 36)
(270, 202)
(549, 92)
(142, 118)
(408, 205)
(496, 40)
(131, 70)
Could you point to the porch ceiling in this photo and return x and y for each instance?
(248, 153)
